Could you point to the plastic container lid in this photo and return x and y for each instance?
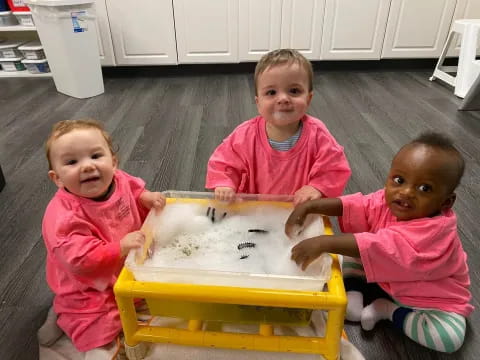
(28, 61)
(11, 59)
(58, 2)
(22, 13)
(10, 44)
(31, 45)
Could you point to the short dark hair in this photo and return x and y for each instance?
(445, 143)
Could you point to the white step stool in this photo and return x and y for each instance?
(468, 68)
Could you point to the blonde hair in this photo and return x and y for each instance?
(284, 56)
(65, 126)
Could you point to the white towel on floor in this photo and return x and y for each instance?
(63, 349)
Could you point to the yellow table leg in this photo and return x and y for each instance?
(266, 330)
(195, 325)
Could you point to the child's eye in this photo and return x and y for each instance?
(398, 180)
(271, 92)
(96, 156)
(425, 188)
(295, 91)
(71, 162)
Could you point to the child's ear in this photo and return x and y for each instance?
(309, 99)
(256, 100)
(115, 162)
(448, 203)
(54, 177)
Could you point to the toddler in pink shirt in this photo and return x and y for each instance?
(283, 150)
(89, 227)
(404, 259)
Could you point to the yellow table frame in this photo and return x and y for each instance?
(333, 301)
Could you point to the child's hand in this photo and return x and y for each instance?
(294, 224)
(224, 193)
(305, 193)
(154, 200)
(306, 251)
(133, 240)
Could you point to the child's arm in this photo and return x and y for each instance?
(226, 169)
(323, 206)
(330, 171)
(309, 249)
(150, 199)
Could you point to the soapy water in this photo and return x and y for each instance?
(188, 236)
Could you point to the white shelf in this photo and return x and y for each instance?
(24, 73)
(18, 28)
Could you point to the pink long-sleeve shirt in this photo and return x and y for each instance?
(246, 162)
(420, 262)
(82, 238)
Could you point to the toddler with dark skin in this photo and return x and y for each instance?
(403, 257)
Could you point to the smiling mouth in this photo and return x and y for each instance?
(91, 179)
(401, 204)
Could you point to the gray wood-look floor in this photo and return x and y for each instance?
(167, 123)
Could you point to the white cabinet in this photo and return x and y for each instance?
(302, 22)
(105, 47)
(271, 24)
(207, 30)
(417, 29)
(354, 29)
(259, 28)
(143, 32)
(466, 9)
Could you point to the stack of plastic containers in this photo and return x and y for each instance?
(21, 12)
(19, 56)
(10, 56)
(34, 57)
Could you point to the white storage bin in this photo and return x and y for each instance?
(7, 18)
(37, 66)
(68, 32)
(9, 49)
(13, 64)
(32, 50)
(24, 18)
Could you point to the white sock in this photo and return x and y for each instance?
(354, 306)
(49, 332)
(380, 309)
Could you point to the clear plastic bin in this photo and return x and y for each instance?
(36, 66)
(7, 18)
(247, 205)
(32, 50)
(13, 64)
(24, 18)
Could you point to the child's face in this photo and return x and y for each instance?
(82, 163)
(419, 182)
(283, 96)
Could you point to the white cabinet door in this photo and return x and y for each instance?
(302, 22)
(259, 28)
(466, 9)
(207, 30)
(105, 46)
(143, 32)
(417, 28)
(354, 29)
